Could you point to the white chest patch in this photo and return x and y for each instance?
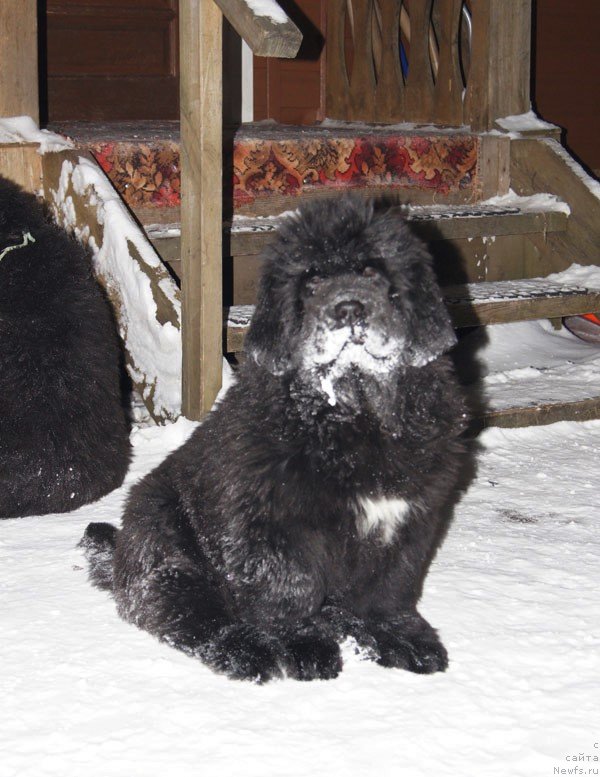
(384, 515)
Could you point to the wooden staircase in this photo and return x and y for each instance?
(498, 200)
(488, 252)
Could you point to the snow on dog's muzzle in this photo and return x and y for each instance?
(349, 323)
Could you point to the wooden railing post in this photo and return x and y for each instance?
(362, 79)
(389, 97)
(499, 77)
(201, 203)
(418, 97)
(19, 91)
(448, 81)
(201, 107)
(337, 83)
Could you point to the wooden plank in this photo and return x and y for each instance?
(201, 204)
(440, 228)
(448, 102)
(235, 339)
(21, 163)
(362, 78)
(480, 259)
(513, 74)
(274, 204)
(418, 97)
(465, 312)
(543, 165)
(87, 214)
(337, 86)
(471, 312)
(19, 94)
(494, 165)
(389, 95)
(267, 37)
(246, 272)
(518, 223)
(540, 415)
(169, 250)
(499, 75)
(457, 244)
(152, 215)
(477, 108)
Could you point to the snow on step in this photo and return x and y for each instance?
(479, 303)
(504, 206)
(239, 316)
(538, 386)
(501, 291)
(533, 373)
(507, 205)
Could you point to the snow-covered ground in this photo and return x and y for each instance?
(513, 591)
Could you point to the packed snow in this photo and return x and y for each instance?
(123, 260)
(513, 592)
(268, 8)
(530, 203)
(524, 122)
(23, 129)
(530, 364)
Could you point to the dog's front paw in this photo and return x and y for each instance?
(412, 653)
(243, 652)
(415, 649)
(313, 657)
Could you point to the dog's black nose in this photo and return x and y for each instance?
(349, 312)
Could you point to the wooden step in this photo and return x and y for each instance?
(475, 304)
(540, 411)
(538, 396)
(248, 236)
(275, 166)
(500, 302)
(436, 222)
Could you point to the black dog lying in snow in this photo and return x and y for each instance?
(63, 431)
(307, 506)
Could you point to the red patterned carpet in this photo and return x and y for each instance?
(273, 164)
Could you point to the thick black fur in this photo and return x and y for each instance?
(63, 429)
(248, 546)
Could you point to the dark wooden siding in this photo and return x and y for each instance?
(567, 72)
(112, 59)
(290, 90)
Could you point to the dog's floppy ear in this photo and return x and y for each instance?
(268, 339)
(428, 329)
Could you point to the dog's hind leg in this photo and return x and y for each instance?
(165, 584)
(182, 606)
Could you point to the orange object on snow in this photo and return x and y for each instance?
(586, 327)
(591, 317)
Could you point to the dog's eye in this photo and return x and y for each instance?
(370, 272)
(312, 282)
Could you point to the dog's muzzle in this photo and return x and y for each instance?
(350, 322)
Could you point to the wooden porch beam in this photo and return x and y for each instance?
(19, 91)
(201, 204)
(266, 36)
(500, 71)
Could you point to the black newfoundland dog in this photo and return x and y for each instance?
(307, 506)
(64, 437)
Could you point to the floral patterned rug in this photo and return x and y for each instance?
(273, 165)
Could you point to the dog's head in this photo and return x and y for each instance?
(347, 288)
